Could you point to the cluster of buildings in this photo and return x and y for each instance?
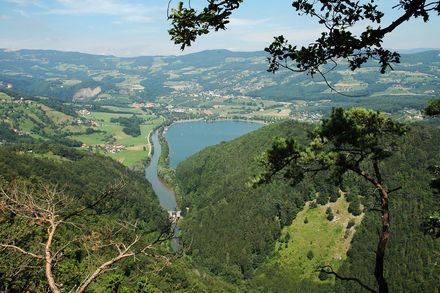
(84, 112)
(23, 102)
(109, 148)
(145, 105)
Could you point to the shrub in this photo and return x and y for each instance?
(323, 276)
(310, 255)
(350, 223)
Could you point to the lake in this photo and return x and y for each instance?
(187, 138)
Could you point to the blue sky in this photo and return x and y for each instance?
(139, 27)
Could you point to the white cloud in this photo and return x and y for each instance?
(4, 17)
(126, 11)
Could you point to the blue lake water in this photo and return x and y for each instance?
(185, 139)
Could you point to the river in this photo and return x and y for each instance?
(184, 140)
(166, 197)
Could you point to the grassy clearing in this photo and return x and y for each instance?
(90, 139)
(5, 97)
(135, 146)
(57, 117)
(129, 157)
(329, 242)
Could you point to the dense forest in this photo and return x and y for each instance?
(233, 229)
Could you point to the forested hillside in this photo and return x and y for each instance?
(107, 192)
(232, 228)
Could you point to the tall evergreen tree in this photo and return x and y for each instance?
(351, 141)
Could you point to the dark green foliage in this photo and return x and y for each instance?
(433, 109)
(355, 206)
(323, 276)
(411, 261)
(313, 205)
(188, 24)
(214, 185)
(322, 198)
(329, 214)
(330, 217)
(334, 196)
(310, 255)
(131, 125)
(337, 41)
(431, 225)
(409, 208)
(351, 223)
(83, 178)
(349, 196)
(306, 220)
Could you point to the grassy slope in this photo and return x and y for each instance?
(61, 122)
(327, 240)
(226, 220)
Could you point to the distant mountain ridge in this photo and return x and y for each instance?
(209, 51)
(61, 75)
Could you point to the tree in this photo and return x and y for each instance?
(432, 224)
(47, 211)
(350, 141)
(337, 17)
(433, 108)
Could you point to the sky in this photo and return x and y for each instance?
(139, 27)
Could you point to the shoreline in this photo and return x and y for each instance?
(213, 120)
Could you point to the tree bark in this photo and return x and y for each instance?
(102, 269)
(383, 240)
(48, 257)
(385, 234)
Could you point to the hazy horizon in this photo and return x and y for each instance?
(139, 27)
(184, 53)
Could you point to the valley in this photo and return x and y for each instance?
(211, 116)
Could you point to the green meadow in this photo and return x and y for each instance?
(309, 242)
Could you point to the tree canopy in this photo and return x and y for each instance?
(355, 141)
(338, 39)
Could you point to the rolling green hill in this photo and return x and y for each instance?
(93, 128)
(219, 83)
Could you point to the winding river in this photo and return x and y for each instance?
(185, 139)
(166, 197)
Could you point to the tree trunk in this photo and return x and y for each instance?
(48, 257)
(384, 236)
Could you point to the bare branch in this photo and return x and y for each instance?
(329, 270)
(21, 250)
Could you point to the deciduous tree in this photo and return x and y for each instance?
(337, 40)
(48, 211)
